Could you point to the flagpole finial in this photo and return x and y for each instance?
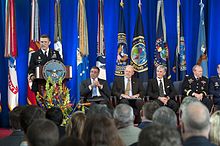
(139, 4)
(201, 2)
(122, 3)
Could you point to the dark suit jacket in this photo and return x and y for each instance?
(39, 59)
(118, 87)
(190, 85)
(214, 87)
(87, 93)
(153, 88)
(197, 141)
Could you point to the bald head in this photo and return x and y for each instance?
(195, 118)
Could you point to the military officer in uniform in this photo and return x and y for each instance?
(214, 88)
(196, 86)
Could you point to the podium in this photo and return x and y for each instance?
(40, 78)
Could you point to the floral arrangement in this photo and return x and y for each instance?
(55, 94)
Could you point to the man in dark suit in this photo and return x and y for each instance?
(195, 125)
(94, 87)
(129, 90)
(214, 88)
(197, 86)
(40, 57)
(162, 90)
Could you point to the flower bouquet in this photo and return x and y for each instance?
(55, 94)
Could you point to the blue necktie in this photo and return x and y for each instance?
(94, 91)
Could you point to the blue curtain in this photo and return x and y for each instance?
(111, 11)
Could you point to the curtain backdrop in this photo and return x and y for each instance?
(190, 13)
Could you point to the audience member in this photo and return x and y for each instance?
(94, 87)
(147, 112)
(28, 115)
(161, 89)
(196, 86)
(214, 134)
(159, 135)
(124, 118)
(195, 125)
(100, 130)
(42, 132)
(76, 125)
(99, 109)
(165, 116)
(17, 135)
(214, 88)
(70, 141)
(55, 114)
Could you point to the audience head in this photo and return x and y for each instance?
(161, 71)
(195, 120)
(159, 135)
(165, 116)
(44, 42)
(214, 134)
(148, 109)
(197, 71)
(15, 116)
(123, 115)
(55, 114)
(186, 101)
(94, 72)
(99, 109)
(42, 132)
(76, 124)
(101, 130)
(70, 141)
(29, 114)
(129, 71)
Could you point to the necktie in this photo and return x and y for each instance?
(94, 91)
(128, 87)
(45, 53)
(161, 92)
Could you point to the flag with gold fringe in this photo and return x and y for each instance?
(122, 53)
(138, 52)
(11, 53)
(161, 53)
(33, 46)
(83, 50)
(101, 54)
(202, 58)
(58, 29)
(180, 56)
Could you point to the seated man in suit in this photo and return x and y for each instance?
(95, 87)
(129, 90)
(162, 90)
(40, 57)
(196, 86)
(214, 88)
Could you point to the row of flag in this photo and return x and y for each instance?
(138, 56)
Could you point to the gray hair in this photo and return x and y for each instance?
(195, 66)
(195, 118)
(165, 116)
(162, 67)
(186, 101)
(123, 114)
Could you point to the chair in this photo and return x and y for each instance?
(178, 87)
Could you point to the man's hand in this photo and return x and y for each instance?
(198, 96)
(125, 96)
(135, 96)
(163, 99)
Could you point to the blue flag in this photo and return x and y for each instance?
(180, 57)
(122, 54)
(138, 52)
(161, 53)
(201, 48)
(83, 50)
